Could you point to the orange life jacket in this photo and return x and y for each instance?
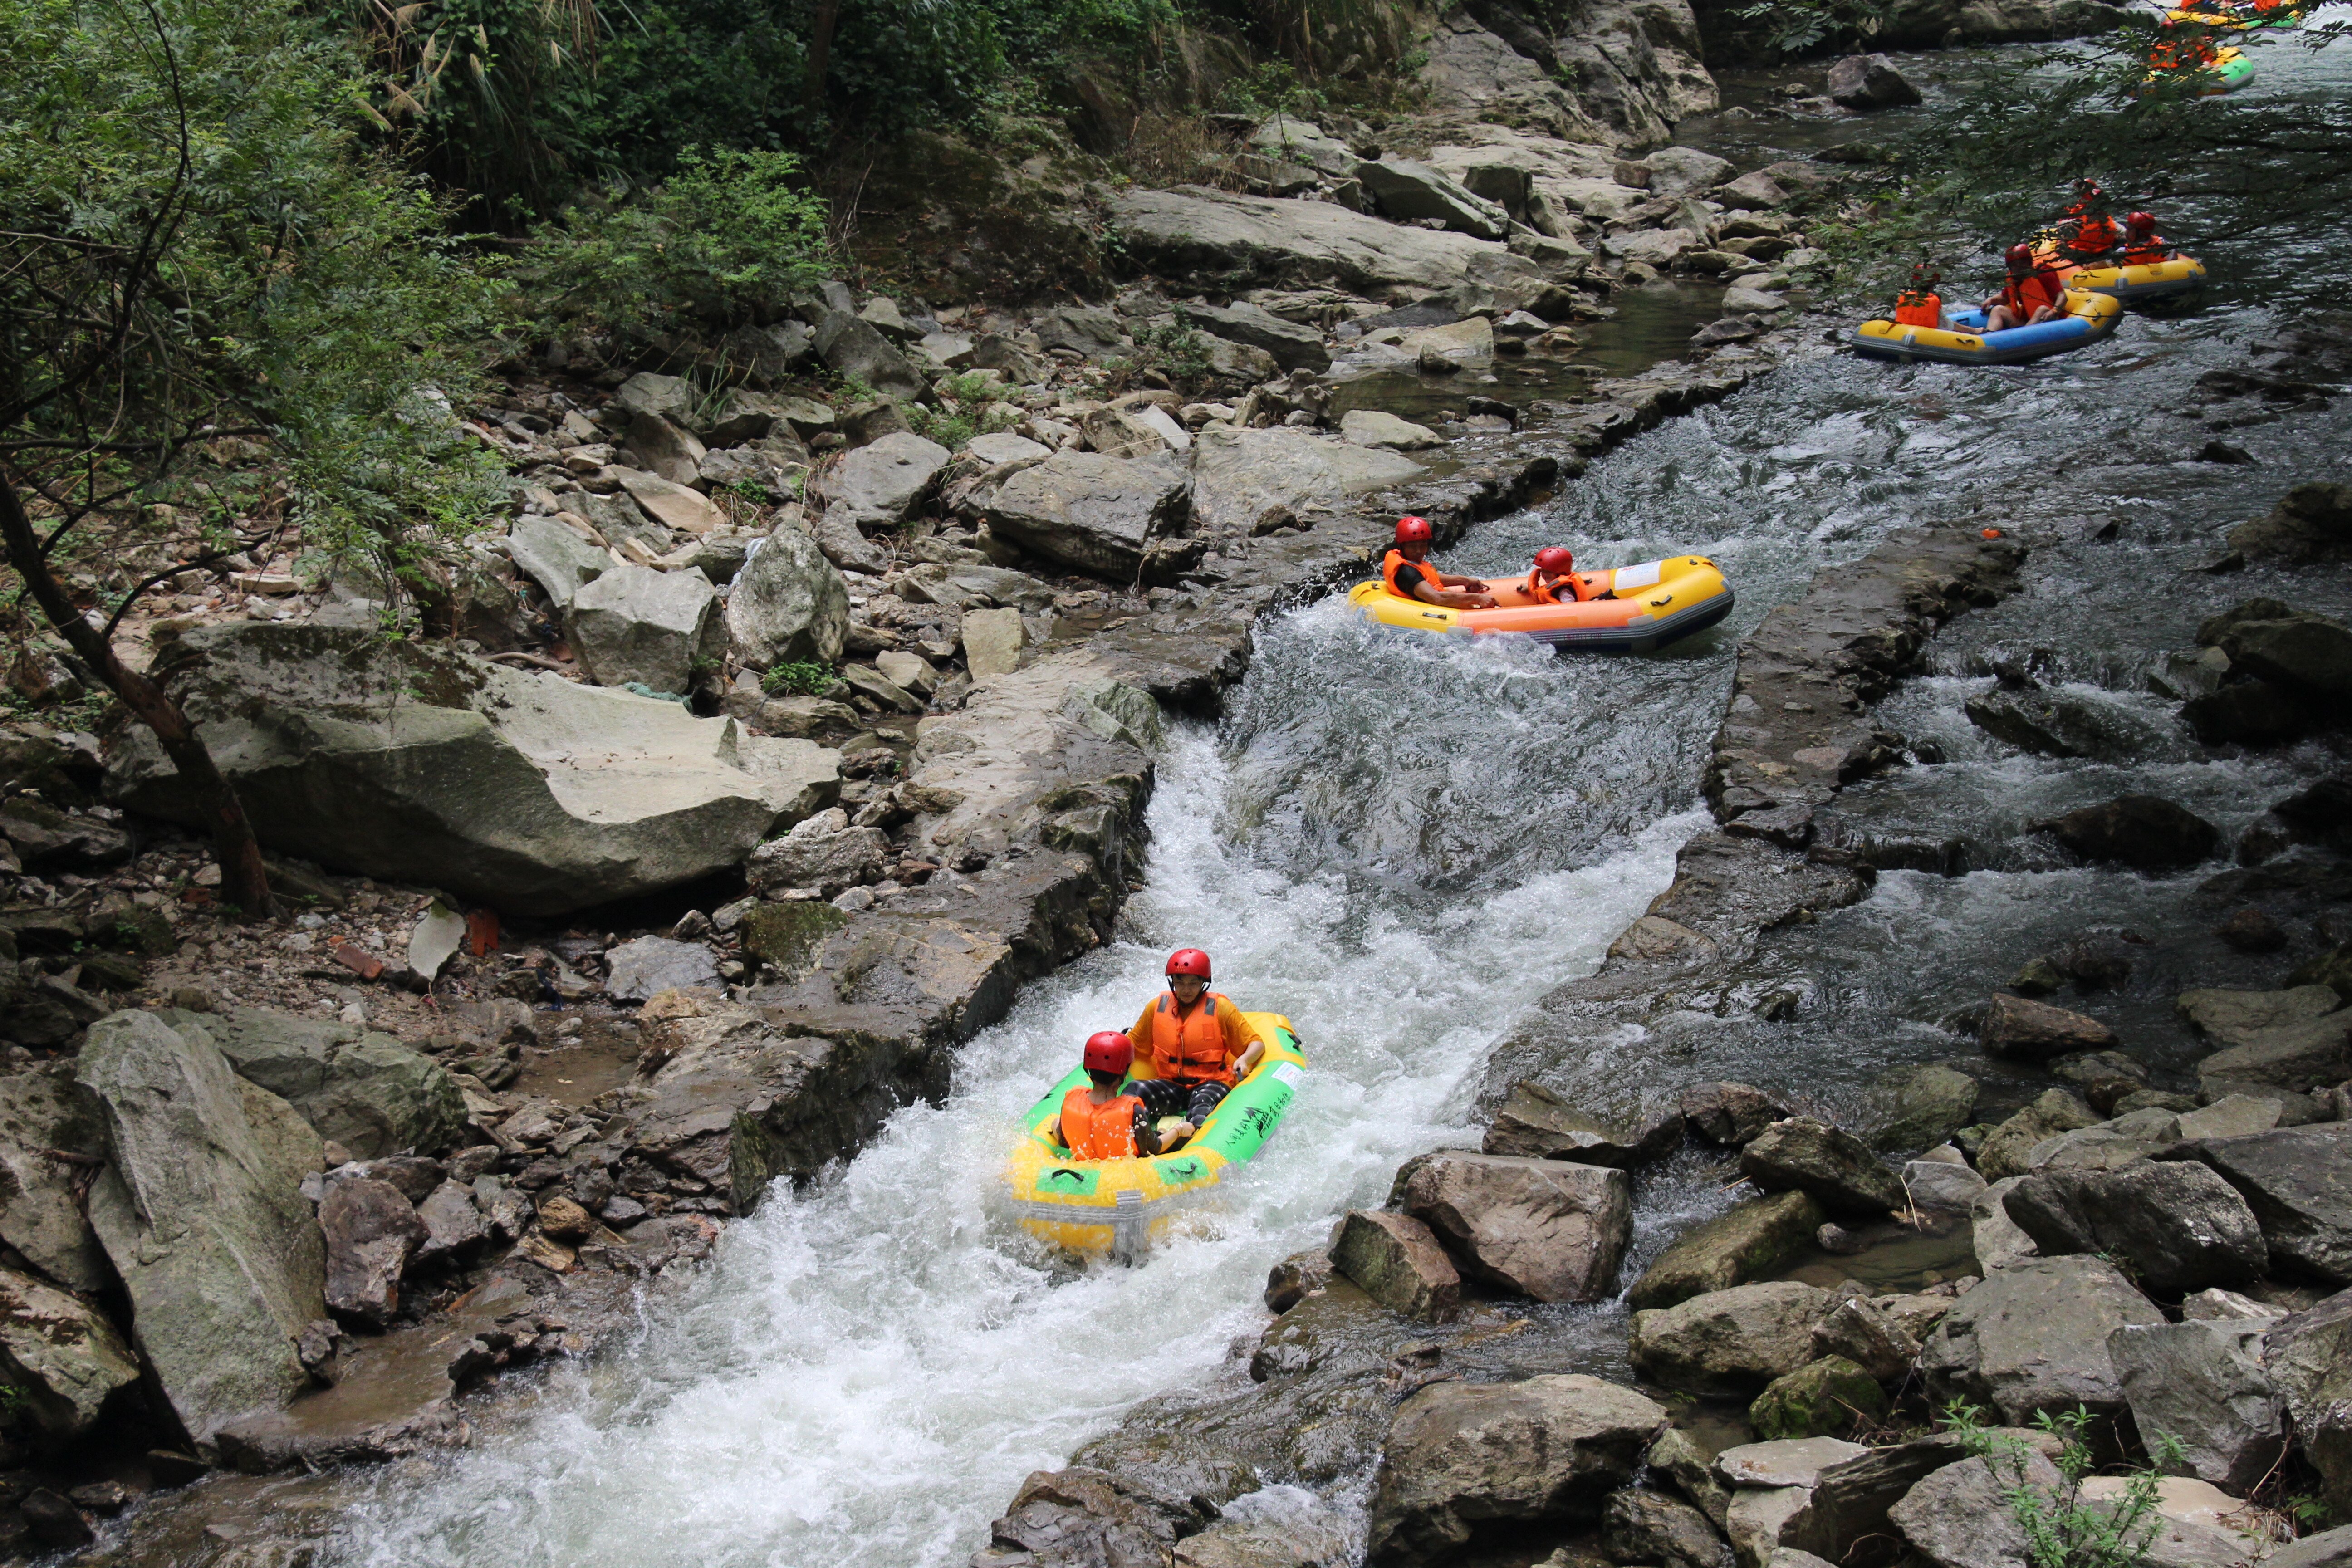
(1389, 570)
(2155, 248)
(1098, 1131)
(1543, 596)
(1191, 1045)
(1913, 307)
(2028, 294)
(2095, 236)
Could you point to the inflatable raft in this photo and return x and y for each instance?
(2262, 14)
(1654, 603)
(2148, 281)
(2091, 317)
(1118, 1207)
(2229, 70)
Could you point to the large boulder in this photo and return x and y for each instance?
(1397, 1261)
(2203, 1383)
(1922, 1107)
(1730, 1114)
(2142, 831)
(1538, 1124)
(655, 629)
(1960, 1517)
(2232, 1018)
(1543, 1228)
(558, 559)
(1730, 1343)
(2315, 1053)
(2178, 1227)
(789, 604)
(1864, 82)
(1732, 1248)
(1409, 192)
(40, 1203)
(1640, 1526)
(1242, 477)
(882, 484)
(822, 855)
(2311, 522)
(2298, 1182)
(642, 969)
(2309, 1358)
(2008, 1149)
(1225, 237)
(2309, 655)
(1459, 1456)
(1112, 517)
(2021, 1030)
(201, 1212)
(1294, 347)
(1996, 1239)
(364, 1091)
(858, 353)
(1821, 1398)
(60, 1356)
(2032, 1337)
(1806, 1155)
(414, 764)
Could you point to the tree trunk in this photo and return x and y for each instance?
(245, 882)
(820, 49)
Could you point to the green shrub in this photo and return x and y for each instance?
(729, 235)
(2061, 1530)
(805, 678)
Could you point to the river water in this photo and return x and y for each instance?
(1402, 844)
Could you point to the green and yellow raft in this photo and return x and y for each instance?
(1117, 1208)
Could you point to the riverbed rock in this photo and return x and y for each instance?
(61, 1355)
(1933, 1184)
(1408, 192)
(2007, 1150)
(2311, 522)
(1537, 1123)
(856, 351)
(1864, 82)
(2309, 655)
(1821, 1398)
(2298, 1182)
(1370, 427)
(1462, 1456)
(1732, 1248)
(2229, 1018)
(1543, 1228)
(1081, 1517)
(885, 483)
(372, 1232)
(642, 969)
(2309, 1358)
(1730, 1114)
(2178, 1227)
(40, 1203)
(1857, 1331)
(1295, 1278)
(413, 764)
(364, 1089)
(557, 559)
(2328, 1549)
(1959, 1518)
(201, 1211)
(1920, 1108)
(1398, 1262)
(823, 855)
(2032, 1337)
(2315, 1053)
(1112, 517)
(2203, 1383)
(2058, 723)
(1836, 1167)
(789, 604)
(1638, 1526)
(1294, 347)
(1729, 1342)
(2021, 1030)
(2141, 831)
(1240, 477)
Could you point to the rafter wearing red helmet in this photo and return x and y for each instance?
(1100, 1122)
(2031, 294)
(1199, 1044)
(1554, 580)
(2143, 246)
(1410, 576)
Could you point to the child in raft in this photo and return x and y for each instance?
(1554, 580)
(1100, 1122)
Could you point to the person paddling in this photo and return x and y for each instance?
(2032, 294)
(1199, 1045)
(2091, 233)
(1100, 1122)
(1410, 576)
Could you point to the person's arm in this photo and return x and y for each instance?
(1054, 1132)
(1477, 584)
(1243, 1043)
(1146, 1140)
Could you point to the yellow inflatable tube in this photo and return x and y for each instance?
(1117, 1208)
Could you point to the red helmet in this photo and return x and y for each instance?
(2021, 254)
(2141, 223)
(1555, 558)
(1192, 960)
(1110, 1051)
(1410, 531)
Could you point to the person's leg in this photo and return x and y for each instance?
(1160, 1098)
(2001, 321)
(1204, 1101)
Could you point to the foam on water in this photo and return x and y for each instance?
(869, 1368)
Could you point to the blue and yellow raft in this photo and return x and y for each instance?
(2089, 318)
(1117, 1208)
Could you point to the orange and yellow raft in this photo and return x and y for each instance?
(1649, 606)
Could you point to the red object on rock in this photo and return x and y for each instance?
(482, 932)
(364, 965)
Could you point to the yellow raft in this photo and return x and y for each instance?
(1119, 1207)
(1649, 606)
(2089, 318)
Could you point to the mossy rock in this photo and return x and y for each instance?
(1820, 1399)
(2333, 968)
(788, 935)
